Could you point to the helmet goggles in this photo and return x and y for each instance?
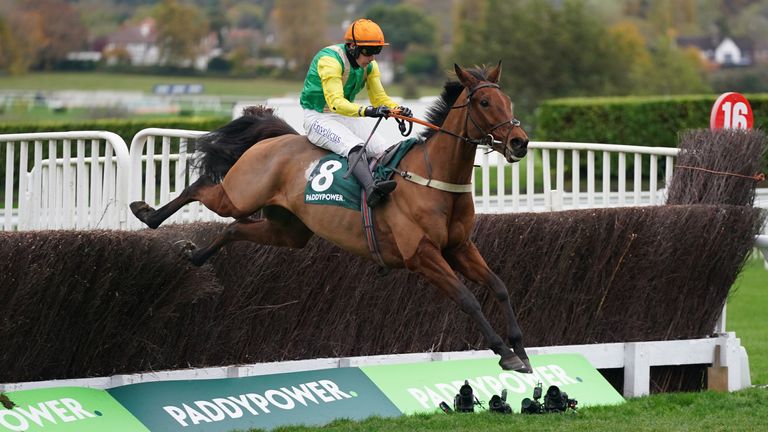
(370, 50)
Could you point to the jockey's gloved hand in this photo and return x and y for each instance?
(379, 111)
(405, 111)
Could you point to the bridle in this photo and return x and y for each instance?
(487, 138)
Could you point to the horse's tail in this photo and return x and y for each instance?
(220, 149)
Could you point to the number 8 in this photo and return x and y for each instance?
(324, 178)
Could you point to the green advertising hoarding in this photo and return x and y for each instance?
(420, 387)
(66, 409)
(312, 398)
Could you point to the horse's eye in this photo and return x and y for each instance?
(484, 103)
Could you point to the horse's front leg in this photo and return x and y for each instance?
(429, 262)
(466, 259)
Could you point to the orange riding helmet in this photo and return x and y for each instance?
(364, 32)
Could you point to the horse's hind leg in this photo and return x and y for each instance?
(210, 194)
(279, 227)
(466, 259)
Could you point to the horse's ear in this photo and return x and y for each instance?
(465, 78)
(495, 73)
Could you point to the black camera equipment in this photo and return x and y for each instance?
(499, 403)
(465, 401)
(557, 401)
(554, 401)
(444, 406)
(529, 406)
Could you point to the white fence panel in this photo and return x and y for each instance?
(562, 175)
(65, 180)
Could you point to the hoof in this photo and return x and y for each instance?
(527, 365)
(143, 211)
(512, 362)
(188, 250)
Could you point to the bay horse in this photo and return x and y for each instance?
(258, 162)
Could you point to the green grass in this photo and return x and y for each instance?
(228, 90)
(242, 88)
(746, 316)
(146, 83)
(745, 410)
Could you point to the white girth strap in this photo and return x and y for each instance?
(436, 184)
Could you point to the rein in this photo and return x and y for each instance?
(487, 140)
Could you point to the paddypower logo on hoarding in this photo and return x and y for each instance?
(420, 387)
(315, 397)
(65, 409)
(234, 407)
(430, 396)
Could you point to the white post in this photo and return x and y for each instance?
(637, 369)
(730, 357)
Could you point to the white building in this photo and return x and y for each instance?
(724, 52)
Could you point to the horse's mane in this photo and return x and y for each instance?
(220, 149)
(437, 113)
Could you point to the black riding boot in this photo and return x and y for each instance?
(376, 191)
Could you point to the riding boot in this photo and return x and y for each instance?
(376, 191)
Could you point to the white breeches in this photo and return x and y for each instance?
(339, 133)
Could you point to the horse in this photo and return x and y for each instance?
(258, 162)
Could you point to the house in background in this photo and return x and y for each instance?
(725, 52)
(136, 45)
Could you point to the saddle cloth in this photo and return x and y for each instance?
(326, 184)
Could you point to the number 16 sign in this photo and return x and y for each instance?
(731, 111)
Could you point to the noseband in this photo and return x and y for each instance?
(487, 138)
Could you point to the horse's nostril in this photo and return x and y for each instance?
(520, 143)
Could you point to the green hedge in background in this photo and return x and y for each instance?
(125, 128)
(645, 121)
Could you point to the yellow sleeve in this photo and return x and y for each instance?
(329, 70)
(376, 92)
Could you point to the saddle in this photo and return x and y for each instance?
(326, 184)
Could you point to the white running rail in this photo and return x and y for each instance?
(65, 180)
(601, 179)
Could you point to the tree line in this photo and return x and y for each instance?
(565, 50)
(550, 48)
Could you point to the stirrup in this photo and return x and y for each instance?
(379, 191)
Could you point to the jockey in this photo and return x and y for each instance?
(332, 119)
